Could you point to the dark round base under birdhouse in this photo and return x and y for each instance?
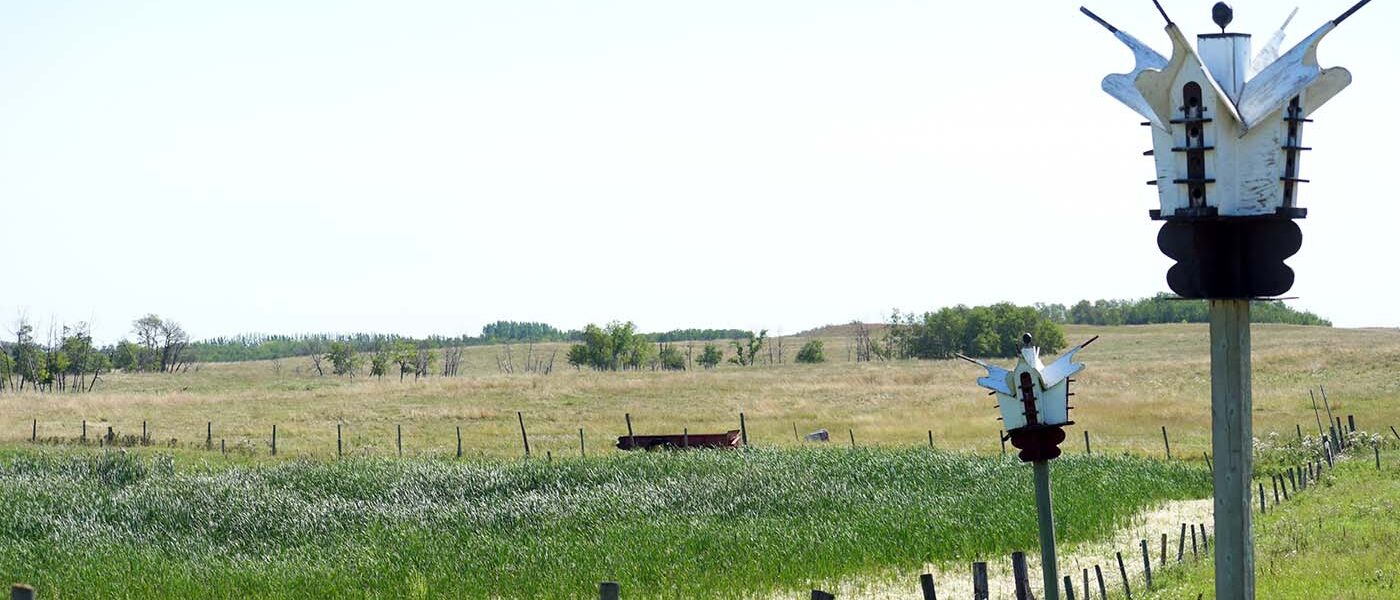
(1230, 257)
(1038, 443)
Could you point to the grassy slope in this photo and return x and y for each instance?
(702, 524)
(1336, 541)
(1139, 379)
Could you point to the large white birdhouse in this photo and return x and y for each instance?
(1032, 394)
(1227, 141)
(1227, 125)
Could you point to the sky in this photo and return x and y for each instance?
(428, 167)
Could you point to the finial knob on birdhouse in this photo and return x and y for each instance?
(1222, 14)
(1026, 340)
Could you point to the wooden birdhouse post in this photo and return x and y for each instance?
(1227, 144)
(1033, 400)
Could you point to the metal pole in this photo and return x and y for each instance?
(1231, 442)
(1047, 529)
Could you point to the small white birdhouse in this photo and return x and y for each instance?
(1032, 395)
(1227, 126)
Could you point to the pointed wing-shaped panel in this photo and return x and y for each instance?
(1292, 74)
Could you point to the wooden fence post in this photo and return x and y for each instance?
(1146, 564)
(339, 444)
(145, 438)
(1392, 432)
(459, 441)
(1069, 588)
(930, 438)
(526, 438)
(1205, 540)
(1351, 423)
(34, 433)
(685, 437)
(743, 430)
(208, 435)
(1261, 498)
(582, 451)
(1166, 442)
(84, 431)
(19, 591)
(222, 450)
(274, 439)
(853, 437)
(1209, 467)
(1123, 572)
(1193, 541)
(1181, 544)
(1003, 443)
(1300, 432)
(631, 438)
(609, 590)
(398, 439)
(926, 586)
(1377, 448)
(979, 581)
(1103, 589)
(1087, 593)
(1090, 451)
(1164, 549)
(1020, 575)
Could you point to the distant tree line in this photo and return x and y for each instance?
(269, 347)
(1165, 308)
(983, 331)
(66, 362)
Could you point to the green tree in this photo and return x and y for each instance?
(379, 364)
(710, 357)
(671, 359)
(343, 359)
(746, 349)
(405, 354)
(812, 352)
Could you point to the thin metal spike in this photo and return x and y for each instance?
(1345, 15)
(1169, 19)
(1096, 19)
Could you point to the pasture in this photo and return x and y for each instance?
(1138, 380)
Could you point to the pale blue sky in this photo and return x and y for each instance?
(427, 167)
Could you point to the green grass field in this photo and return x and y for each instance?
(177, 520)
(1335, 541)
(81, 524)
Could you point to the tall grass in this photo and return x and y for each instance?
(700, 524)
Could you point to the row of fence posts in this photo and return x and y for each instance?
(1335, 438)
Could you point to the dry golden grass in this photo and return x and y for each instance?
(1138, 379)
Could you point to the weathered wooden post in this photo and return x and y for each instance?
(926, 586)
(609, 590)
(1033, 400)
(632, 438)
(1166, 442)
(1020, 576)
(525, 438)
(208, 435)
(743, 430)
(339, 444)
(1227, 155)
(459, 441)
(1087, 450)
(1123, 573)
(34, 432)
(582, 451)
(1146, 565)
(398, 439)
(274, 439)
